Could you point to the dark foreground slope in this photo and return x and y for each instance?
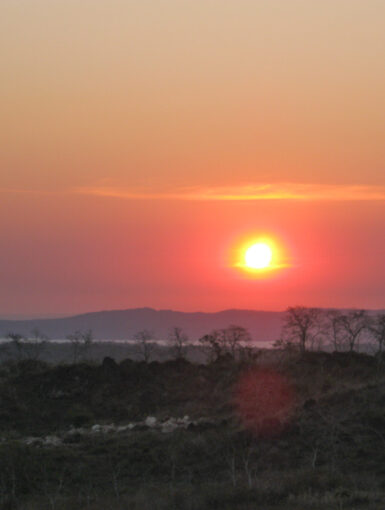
(317, 441)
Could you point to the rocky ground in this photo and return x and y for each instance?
(289, 431)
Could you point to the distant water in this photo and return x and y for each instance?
(257, 344)
(367, 348)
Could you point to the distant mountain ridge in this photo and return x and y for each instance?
(123, 324)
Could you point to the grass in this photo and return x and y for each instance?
(330, 455)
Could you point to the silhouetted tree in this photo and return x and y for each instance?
(81, 343)
(352, 324)
(302, 327)
(225, 341)
(376, 327)
(35, 345)
(333, 324)
(178, 342)
(234, 337)
(17, 345)
(145, 345)
(213, 345)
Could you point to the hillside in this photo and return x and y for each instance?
(123, 324)
(175, 435)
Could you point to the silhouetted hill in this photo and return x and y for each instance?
(123, 324)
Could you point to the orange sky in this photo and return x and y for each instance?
(141, 140)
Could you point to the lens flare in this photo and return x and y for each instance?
(265, 401)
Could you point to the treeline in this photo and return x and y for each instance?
(303, 329)
(315, 328)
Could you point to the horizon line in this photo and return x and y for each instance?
(77, 314)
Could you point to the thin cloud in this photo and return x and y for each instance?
(19, 190)
(285, 191)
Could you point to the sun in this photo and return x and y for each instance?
(258, 256)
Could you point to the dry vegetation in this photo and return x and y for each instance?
(328, 454)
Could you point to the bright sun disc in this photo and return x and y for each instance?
(258, 256)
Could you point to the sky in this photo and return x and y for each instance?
(143, 143)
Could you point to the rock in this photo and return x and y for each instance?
(108, 428)
(52, 441)
(169, 426)
(76, 430)
(183, 422)
(123, 428)
(150, 421)
(33, 441)
(139, 426)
